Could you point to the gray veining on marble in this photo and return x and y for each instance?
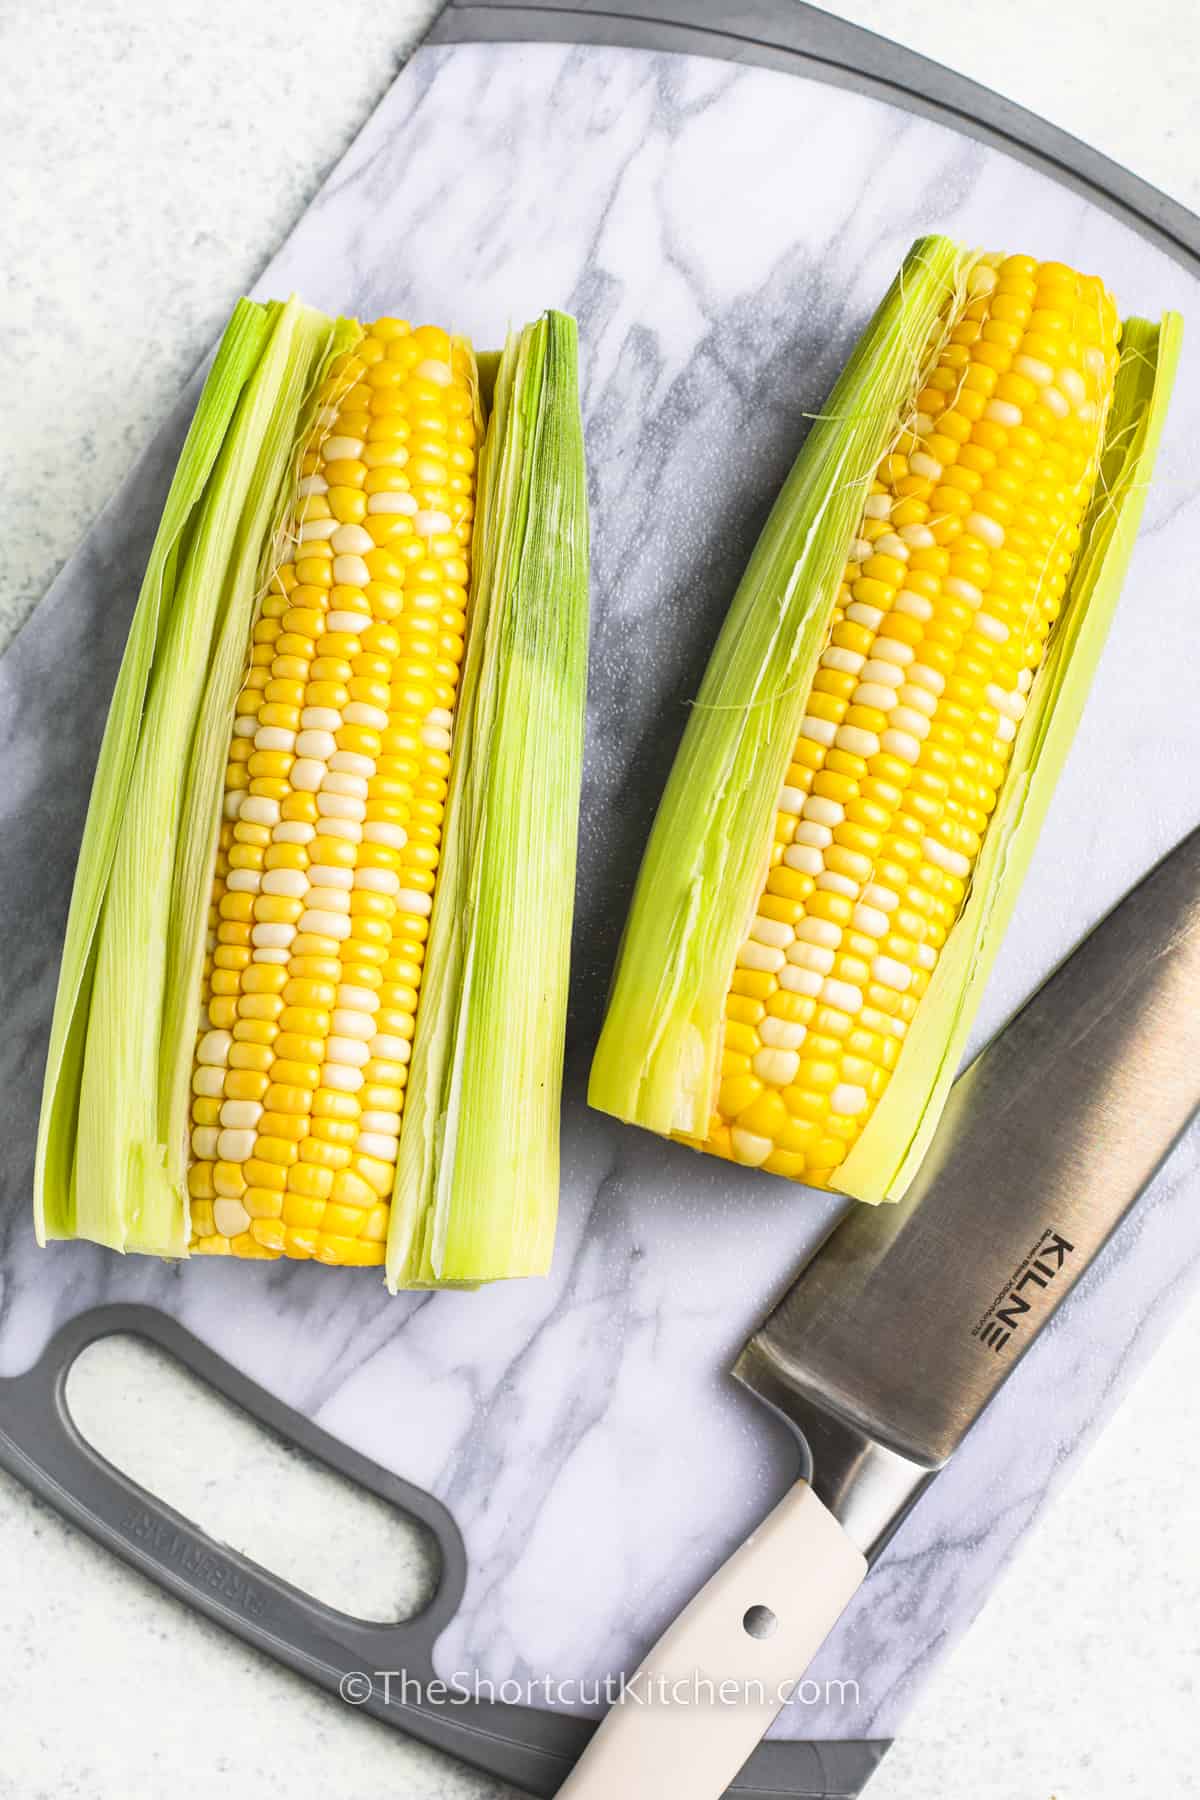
(582, 1430)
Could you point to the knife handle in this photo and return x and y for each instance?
(755, 1626)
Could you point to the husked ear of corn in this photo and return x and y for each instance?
(873, 748)
(245, 957)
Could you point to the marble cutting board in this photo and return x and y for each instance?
(722, 233)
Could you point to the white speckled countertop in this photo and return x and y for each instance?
(167, 152)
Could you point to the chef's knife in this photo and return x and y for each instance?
(901, 1329)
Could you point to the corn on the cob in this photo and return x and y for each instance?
(910, 703)
(303, 626)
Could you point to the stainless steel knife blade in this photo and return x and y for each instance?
(904, 1324)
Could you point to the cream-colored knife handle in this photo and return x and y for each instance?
(754, 1627)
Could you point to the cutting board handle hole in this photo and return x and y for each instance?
(246, 1487)
(759, 1622)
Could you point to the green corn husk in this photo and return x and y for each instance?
(658, 1055)
(477, 1178)
(112, 1141)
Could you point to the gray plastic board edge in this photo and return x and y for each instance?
(797, 39)
(532, 1749)
(39, 1443)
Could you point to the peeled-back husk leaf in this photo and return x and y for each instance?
(113, 1137)
(890, 1150)
(476, 1187)
(236, 358)
(705, 862)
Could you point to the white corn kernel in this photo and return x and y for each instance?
(776, 1066)
(235, 1146)
(341, 1077)
(306, 774)
(391, 503)
(412, 900)
(762, 957)
(800, 981)
(832, 881)
(818, 731)
(341, 449)
(325, 924)
(804, 858)
(749, 1148)
(377, 1143)
(816, 958)
(320, 718)
(351, 571)
(380, 1121)
(378, 881)
(942, 857)
(901, 744)
(350, 1024)
(918, 699)
(781, 1034)
(988, 531)
(379, 831)
(241, 1114)
(338, 782)
(870, 921)
(860, 614)
(773, 932)
(822, 932)
(359, 712)
(357, 999)
(349, 829)
(320, 745)
(340, 806)
(293, 883)
(258, 810)
(349, 762)
(890, 973)
(856, 741)
(272, 937)
(230, 1217)
(823, 811)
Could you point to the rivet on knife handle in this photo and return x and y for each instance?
(726, 1666)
